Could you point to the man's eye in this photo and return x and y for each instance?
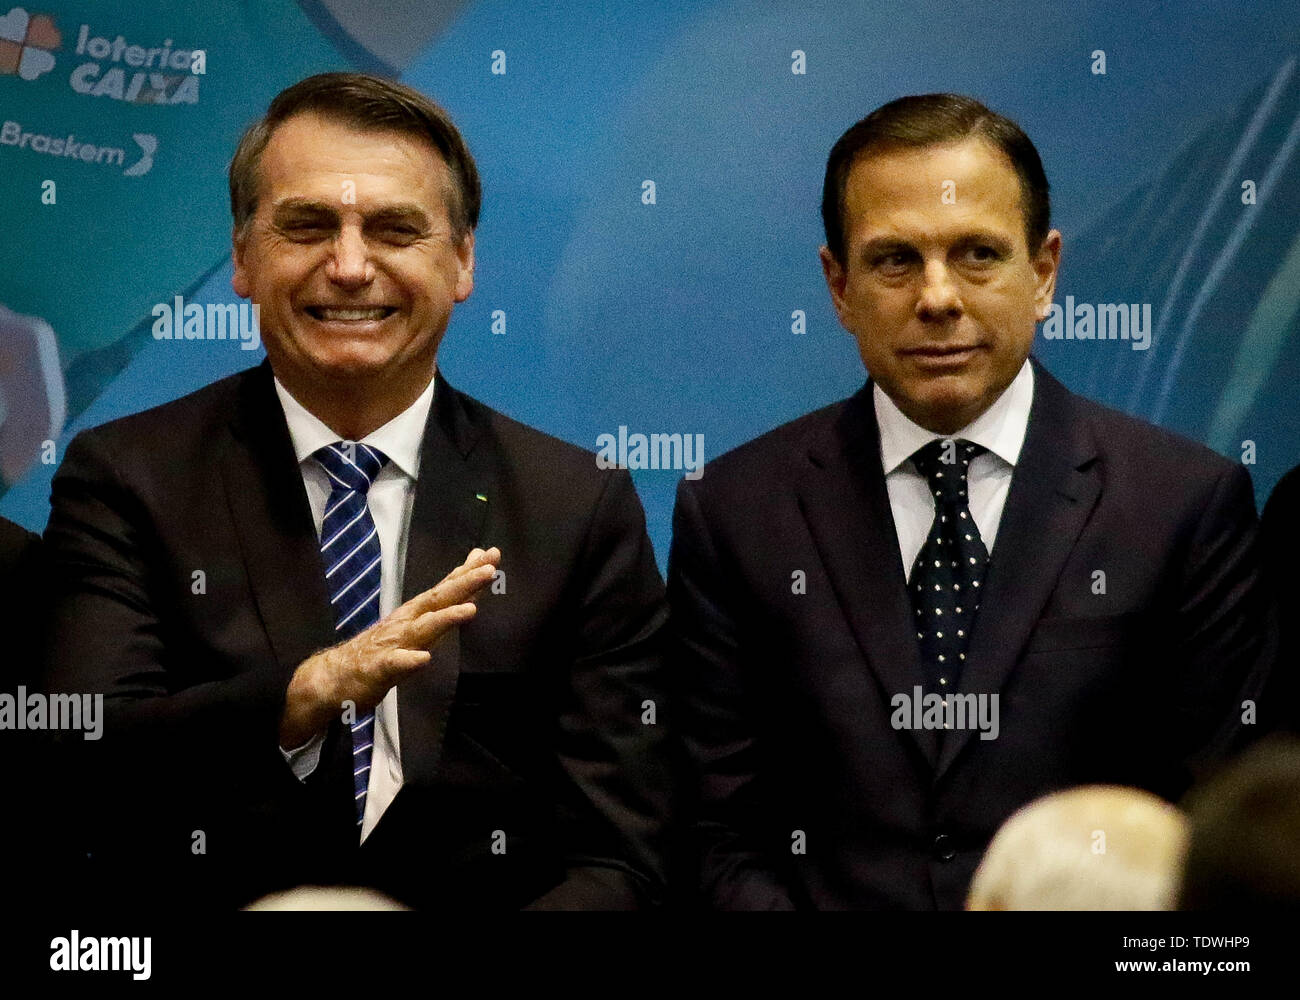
(983, 254)
(891, 261)
(305, 229)
(399, 233)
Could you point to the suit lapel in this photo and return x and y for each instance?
(846, 505)
(281, 553)
(273, 521)
(1053, 491)
(451, 504)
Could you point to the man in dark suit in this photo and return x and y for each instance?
(307, 678)
(905, 615)
(1279, 531)
(26, 833)
(20, 562)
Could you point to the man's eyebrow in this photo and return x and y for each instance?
(881, 244)
(302, 205)
(894, 244)
(399, 213)
(403, 212)
(986, 236)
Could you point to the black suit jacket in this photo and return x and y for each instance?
(20, 581)
(43, 861)
(188, 588)
(789, 693)
(1279, 527)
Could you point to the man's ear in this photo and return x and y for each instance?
(836, 277)
(465, 267)
(239, 280)
(1046, 264)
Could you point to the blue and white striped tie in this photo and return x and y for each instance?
(350, 551)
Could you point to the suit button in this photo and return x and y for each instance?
(943, 849)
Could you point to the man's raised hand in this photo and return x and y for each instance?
(362, 669)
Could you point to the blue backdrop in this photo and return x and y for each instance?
(1173, 175)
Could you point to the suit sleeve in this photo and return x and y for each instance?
(1226, 631)
(109, 635)
(616, 812)
(708, 659)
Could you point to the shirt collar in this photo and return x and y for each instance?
(399, 439)
(1001, 428)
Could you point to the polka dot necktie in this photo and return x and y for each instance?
(350, 551)
(949, 570)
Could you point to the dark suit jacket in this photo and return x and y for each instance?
(42, 863)
(789, 694)
(527, 722)
(20, 577)
(1279, 528)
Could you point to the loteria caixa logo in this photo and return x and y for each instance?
(27, 43)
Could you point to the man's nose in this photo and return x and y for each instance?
(938, 298)
(349, 264)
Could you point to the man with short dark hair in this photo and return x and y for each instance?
(904, 616)
(352, 625)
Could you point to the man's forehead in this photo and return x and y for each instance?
(339, 150)
(954, 181)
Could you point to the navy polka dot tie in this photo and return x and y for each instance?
(949, 570)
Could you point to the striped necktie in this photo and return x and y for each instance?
(350, 551)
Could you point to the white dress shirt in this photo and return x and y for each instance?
(1000, 429)
(390, 500)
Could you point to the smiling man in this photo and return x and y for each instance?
(352, 625)
(963, 531)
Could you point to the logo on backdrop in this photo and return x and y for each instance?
(113, 67)
(27, 43)
(69, 147)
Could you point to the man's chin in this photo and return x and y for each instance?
(352, 370)
(943, 406)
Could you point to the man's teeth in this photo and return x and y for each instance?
(353, 315)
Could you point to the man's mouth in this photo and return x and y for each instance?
(943, 350)
(943, 358)
(351, 314)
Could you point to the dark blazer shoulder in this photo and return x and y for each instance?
(1141, 449)
(165, 433)
(516, 435)
(775, 456)
(541, 461)
(18, 548)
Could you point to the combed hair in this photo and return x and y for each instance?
(367, 103)
(924, 120)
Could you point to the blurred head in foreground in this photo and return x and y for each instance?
(315, 897)
(1244, 846)
(1098, 847)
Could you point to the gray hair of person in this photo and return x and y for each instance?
(1096, 847)
(369, 104)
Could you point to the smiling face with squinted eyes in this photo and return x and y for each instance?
(354, 264)
(941, 293)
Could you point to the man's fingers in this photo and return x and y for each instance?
(401, 662)
(477, 557)
(433, 625)
(460, 584)
(452, 590)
